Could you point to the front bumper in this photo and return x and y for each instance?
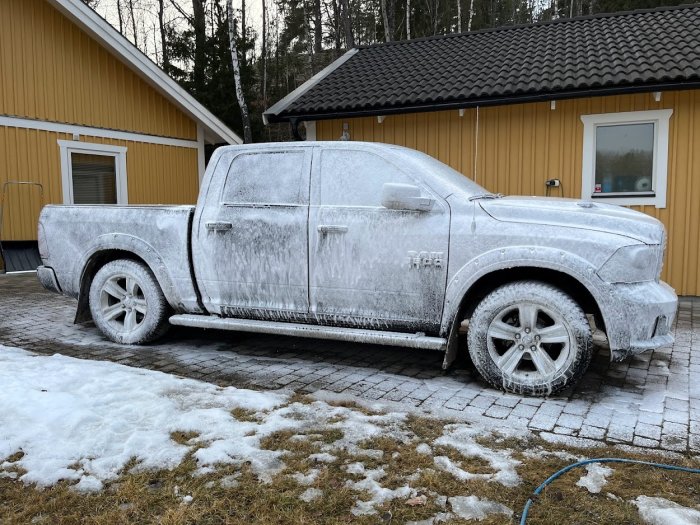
(640, 318)
(47, 278)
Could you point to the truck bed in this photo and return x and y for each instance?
(72, 236)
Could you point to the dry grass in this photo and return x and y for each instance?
(156, 497)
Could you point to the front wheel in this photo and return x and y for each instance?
(127, 303)
(530, 338)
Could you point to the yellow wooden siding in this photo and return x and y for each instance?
(520, 146)
(51, 70)
(156, 174)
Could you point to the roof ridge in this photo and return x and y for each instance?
(597, 16)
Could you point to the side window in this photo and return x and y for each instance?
(355, 178)
(267, 178)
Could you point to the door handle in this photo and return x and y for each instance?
(218, 226)
(332, 228)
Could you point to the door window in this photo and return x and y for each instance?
(355, 178)
(275, 178)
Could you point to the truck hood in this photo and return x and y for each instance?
(570, 213)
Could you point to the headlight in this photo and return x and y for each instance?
(633, 264)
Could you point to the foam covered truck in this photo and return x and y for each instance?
(370, 243)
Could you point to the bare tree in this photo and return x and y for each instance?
(132, 16)
(199, 25)
(408, 19)
(459, 16)
(120, 16)
(247, 135)
(165, 59)
(346, 15)
(264, 54)
(318, 27)
(385, 18)
(471, 15)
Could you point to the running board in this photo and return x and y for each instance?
(357, 335)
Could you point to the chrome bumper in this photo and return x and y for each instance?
(47, 278)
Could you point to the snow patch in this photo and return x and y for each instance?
(660, 511)
(83, 421)
(310, 495)
(595, 478)
(473, 508)
(463, 439)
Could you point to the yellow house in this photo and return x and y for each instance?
(86, 118)
(604, 108)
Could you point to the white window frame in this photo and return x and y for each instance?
(660, 118)
(67, 147)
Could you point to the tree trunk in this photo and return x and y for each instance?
(471, 15)
(133, 23)
(336, 24)
(347, 23)
(318, 27)
(385, 18)
(121, 17)
(264, 54)
(244, 33)
(408, 19)
(199, 26)
(459, 16)
(165, 59)
(247, 136)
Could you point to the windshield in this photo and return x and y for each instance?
(451, 177)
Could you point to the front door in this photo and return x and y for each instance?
(251, 246)
(371, 266)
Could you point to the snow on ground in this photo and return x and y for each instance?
(595, 478)
(660, 511)
(83, 421)
(463, 439)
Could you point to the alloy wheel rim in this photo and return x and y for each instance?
(530, 343)
(122, 303)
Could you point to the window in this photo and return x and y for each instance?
(93, 173)
(267, 178)
(625, 157)
(355, 178)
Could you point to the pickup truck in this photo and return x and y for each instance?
(370, 243)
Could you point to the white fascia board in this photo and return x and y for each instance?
(57, 127)
(99, 29)
(284, 103)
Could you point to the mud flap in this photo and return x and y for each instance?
(452, 347)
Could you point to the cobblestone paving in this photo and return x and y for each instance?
(652, 400)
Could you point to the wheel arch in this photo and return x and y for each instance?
(470, 285)
(112, 249)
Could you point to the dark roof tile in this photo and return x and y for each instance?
(635, 50)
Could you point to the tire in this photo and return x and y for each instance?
(515, 354)
(127, 303)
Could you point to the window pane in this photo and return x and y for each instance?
(355, 178)
(624, 158)
(267, 178)
(94, 179)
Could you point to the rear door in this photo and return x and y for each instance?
(371, 266)
(250, 244)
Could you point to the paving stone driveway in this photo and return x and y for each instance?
(650, 401)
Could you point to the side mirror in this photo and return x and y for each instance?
(404, 197)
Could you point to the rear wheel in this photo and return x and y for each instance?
(127, 303)
(530, 338)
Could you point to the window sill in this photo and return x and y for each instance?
(629, 200)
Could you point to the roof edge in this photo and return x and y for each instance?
(271, 114)
(99, 29)
(494, 101)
